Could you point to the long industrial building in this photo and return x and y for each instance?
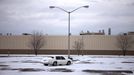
(92, 45)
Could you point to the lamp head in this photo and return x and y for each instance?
(51, 6)
(86, 6)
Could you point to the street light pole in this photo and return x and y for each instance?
(69, 34)
(69, 13)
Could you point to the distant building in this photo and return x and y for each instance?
(109, 31)
(130, 33)
(9, 34)
(0, 33)
(93, 33)
(26, 34)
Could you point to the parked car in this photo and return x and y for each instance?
(57, 60)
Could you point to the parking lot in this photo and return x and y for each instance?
(87, 65)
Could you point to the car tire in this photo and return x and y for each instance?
(55, 63)
(69, 63)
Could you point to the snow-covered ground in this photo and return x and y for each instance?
(82, 65)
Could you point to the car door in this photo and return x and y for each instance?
(60, 60)
(63, 60)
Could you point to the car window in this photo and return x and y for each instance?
(57, 58)
(62, 58)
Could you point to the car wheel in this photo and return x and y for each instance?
(69, 63)
(55, 63)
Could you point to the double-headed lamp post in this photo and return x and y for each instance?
(69, 12)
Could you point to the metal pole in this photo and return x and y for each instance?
(69, 34)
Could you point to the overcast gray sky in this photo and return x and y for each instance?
(24, 16)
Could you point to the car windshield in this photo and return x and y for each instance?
(62, 58)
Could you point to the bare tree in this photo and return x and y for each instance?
(124, 42)
(36, 41)
(78, 45)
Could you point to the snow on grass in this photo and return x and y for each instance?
(82, 65)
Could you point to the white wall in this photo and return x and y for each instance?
(91, 42)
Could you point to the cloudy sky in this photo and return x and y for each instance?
(25, 16)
